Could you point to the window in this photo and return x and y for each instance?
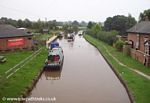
(147, 47)
(29, 38)
(131, 43)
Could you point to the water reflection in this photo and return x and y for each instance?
(71, 44)
(65, 36)
(52, 74)
(60, 38)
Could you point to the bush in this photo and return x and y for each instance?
(119, 45)
(88, 31)
(107, 37)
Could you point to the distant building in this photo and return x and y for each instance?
(139, 39)
(59, 27)
(12, 38)
(46, 30)
(24, 29)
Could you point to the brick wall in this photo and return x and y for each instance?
(140, 56)
(2, 44)
(133, 37)
(137, 55)
(142, 37)
(140, 53)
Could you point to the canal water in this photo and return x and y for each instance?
(84, 78)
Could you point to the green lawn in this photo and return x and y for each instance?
(13, 58)
(129, 61)
(138, 85)
(17, 83)
(42, 37)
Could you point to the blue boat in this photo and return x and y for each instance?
(54, 45)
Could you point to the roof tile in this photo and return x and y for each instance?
(141, 28)
(10, 31)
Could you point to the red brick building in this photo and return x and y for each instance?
(12, 38)
(139, 39)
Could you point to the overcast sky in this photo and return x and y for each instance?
(65, 10)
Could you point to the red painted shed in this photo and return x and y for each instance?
(12, 38)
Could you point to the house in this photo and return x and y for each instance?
(139, 39)
(45, 30)
(12, 38)
(59, 27)
(25, 30)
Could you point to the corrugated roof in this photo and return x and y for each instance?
(141, 28)
(10, 31)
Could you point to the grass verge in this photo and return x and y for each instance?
(137, 85)
(19, 82)
(42, 37)
(13, 58)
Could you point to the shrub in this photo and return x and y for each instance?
(119, 45)
(88, 31)
(107, 37)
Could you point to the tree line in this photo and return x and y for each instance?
(116, 25)
(39, 25)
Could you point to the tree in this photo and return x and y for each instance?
(83, 24)
(107, 24)
(5, 20)
(74, 26)
(12, 22)
(67, 28)
(20, 23)
(90, 25)
(75, 23)
(120, 23)
(59, 23)
(52, 24)
(27, 23)
(130, 21)
(144, 15)
(96, 28)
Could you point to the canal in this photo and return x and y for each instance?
(84, 78)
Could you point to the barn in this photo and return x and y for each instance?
(12, 38)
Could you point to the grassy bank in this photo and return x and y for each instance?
(13, 58)
(137, 85)
(28, 65)
(17, 84)
(42, 37)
